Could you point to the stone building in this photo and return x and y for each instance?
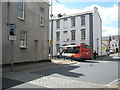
(24, 31)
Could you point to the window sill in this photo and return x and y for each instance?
(72, 40)
(66, 28)
(23, 19)
(65, 41)
(83, 25)
(83, 39)
(41, 25)
(22, 47)
(57, 28)
(72, 26)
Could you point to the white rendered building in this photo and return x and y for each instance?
(111, 42)
(85, 27)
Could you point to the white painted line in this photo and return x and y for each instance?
(116, 57)
(113, 82)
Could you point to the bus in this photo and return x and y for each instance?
(77, 52)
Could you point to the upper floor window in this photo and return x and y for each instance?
(58, 23)
(21, 9)
(23, 39)
(73, 35)
(65, 23)
(65, 34)
(42, 14)
(82, 20)
(83, 33)
(58, 36)
(73, 22)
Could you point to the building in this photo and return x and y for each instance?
(85, 27)
(24, 30)
(111, 42)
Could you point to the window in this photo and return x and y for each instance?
(58, 36)
(73, 35)
(83, 34)
(73, 22)
(42, 14)
(65, 23)
(58, 47)
(23, 39)
(65, 36)
(82, 20)
(72, 50)
(21, 10)
(58, 23)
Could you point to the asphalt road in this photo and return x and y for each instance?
(91, 71)
(98, 72)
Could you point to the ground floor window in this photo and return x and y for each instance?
(57, 47)
(23, 39)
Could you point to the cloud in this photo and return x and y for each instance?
(108, 15)
(107, 31)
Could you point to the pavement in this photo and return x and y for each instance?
(26, 79)
(111, 56)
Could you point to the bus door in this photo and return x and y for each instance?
(76, 51)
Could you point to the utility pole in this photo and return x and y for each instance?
(51, 41)
(11, 35)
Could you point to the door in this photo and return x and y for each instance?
(36, 50)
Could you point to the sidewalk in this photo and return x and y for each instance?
(107, 57)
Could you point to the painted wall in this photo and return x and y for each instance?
(0, 32)
(97, 32)
(35, 33)
(92, 24)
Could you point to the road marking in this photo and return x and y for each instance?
(116, 57)
(113, 82)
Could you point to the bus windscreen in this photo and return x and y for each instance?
(72, 50)
(84, 46)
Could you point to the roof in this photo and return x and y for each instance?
(106, 38)
(73, 15)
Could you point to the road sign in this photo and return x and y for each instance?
(12, 30)
(11, 37)
(51, 42)
(103, 48)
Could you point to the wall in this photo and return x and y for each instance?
(77, 28)
(97, 32)
(0, 32)
(35, 32)
(104, 47)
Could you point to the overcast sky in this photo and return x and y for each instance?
(108, 12)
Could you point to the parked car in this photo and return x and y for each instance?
(112, 51)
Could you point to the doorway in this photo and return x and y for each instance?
(36, 50)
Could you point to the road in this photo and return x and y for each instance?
(88, 74)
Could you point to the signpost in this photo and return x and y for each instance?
(12, 38)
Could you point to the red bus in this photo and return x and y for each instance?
(79, 52)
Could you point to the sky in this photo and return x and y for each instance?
(108, 10)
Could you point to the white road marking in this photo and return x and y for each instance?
(113, 82)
